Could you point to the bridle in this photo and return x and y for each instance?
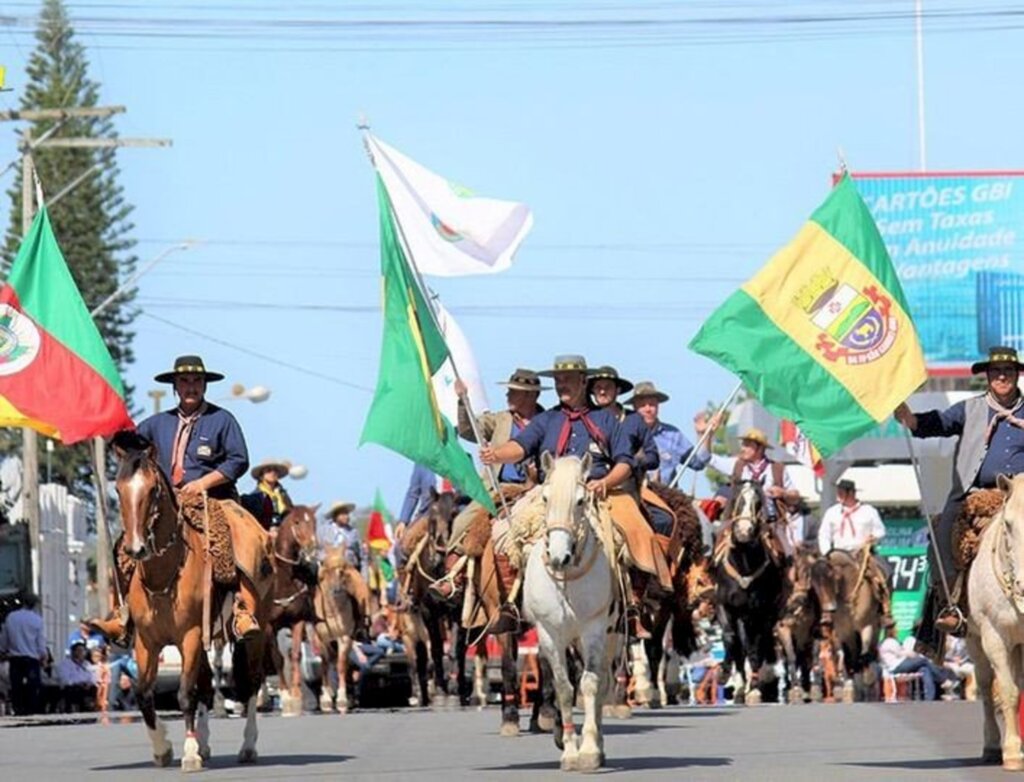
(578, 528)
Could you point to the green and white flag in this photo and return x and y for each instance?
(450, 230)
(405, 415)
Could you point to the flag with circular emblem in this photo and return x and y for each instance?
(822, 334)
(56, 374)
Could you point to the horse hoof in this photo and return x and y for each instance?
(1013, 764)
(991, 756)
(753, 698)
(587, 761)
(570, 763)
(164, 760)
(188, 765)
(546, 722)
(205, 753)
(622, 711)
(509, 729)
(248, 756)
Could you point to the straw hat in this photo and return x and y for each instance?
(646, 388)
(280, 467)
(339, 506)
(524, 380)
(756, 436)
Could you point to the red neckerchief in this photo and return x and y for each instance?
(757, 470)
(847, 520)
(570, 417)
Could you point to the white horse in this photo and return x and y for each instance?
(995, 639)
(568, 593)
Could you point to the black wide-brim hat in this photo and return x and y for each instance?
(997, 355)
(608, 373)
(188, 365)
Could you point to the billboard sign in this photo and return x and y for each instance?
(957, 243)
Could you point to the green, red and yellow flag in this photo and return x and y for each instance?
(376, 535)
(822, 335)
(56, 374)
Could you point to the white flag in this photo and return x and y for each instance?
(461, 353)
(451, 231)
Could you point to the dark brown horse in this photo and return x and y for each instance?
(165, 602)
(295, 578)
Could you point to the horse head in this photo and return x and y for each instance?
(333, 575)
(565, 503)
(747, 512)
(440, 513)
(142, 490)
(297, 535)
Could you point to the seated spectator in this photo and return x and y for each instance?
(124, 672)
(958, 661)
(900, 658)
(391, 639)
(703, 666)
(77, 679)
(364, 656)
(93, 640)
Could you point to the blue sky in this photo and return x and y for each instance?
(661, 172)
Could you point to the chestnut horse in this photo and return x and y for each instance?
(295, 578)
(165, 602)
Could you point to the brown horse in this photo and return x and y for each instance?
(165, 602)
(800, 625)
(295, 577)
(342, 606)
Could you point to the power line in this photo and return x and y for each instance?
(257, 354)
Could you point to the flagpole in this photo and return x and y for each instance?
(364, 127)
(707, 433)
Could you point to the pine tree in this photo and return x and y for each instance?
(91, 222)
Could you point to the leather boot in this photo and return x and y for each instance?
(117, 628)
(245, 624)
(507, 620)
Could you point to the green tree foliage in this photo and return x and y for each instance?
(91, 222)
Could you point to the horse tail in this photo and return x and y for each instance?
(247, 666)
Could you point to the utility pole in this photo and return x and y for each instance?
(30, 442)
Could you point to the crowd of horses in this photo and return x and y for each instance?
(573, 591)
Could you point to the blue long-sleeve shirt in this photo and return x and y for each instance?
(543, 431)
(1005, 452)
(216, 444)
(417, 498)
(641, 442)
(22, 635)
(674, 448)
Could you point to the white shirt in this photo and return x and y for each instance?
(891, 653)
(848, 529)
(791, 532)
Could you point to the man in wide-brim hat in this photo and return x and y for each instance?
(523, 389)
(673, 446)
(268, 475)
(990, 428)
(576, 429)
(201, 450)
(341, 534)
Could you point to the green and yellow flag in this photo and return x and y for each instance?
(822, 334)
(404, 415)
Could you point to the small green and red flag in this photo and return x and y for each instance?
(56, 374)
(376, 535)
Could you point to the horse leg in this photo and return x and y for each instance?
(192, 659)
(422, 672)
(295, 654)
(344, 650)
(247, 668)
(163, 752)
(436, 638)
(1009, 694)
(565, 734)
(655, 648)
(509, 688)
(480, 683)
(592, 687)
(547, 714)
(990, 751)
(463, 687)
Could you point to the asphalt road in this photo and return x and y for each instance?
(938, 741)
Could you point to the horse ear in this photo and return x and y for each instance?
(1004, 483)
(314, 509)
(586, 463)
(546, 462)
(433, 494)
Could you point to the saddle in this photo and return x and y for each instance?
(977, 511)
(237, 541)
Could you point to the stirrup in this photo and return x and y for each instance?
(508, 619)
(251, 631)
(951, 620)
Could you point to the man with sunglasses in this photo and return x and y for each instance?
(990, 428)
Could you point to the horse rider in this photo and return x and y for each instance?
(417, 497)
(523, 389)
(268, 475)
(201, 449)
(851, 525)
(574, 428)
(990, 428)
(339, 533)
(752, 464)
(673, 446)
